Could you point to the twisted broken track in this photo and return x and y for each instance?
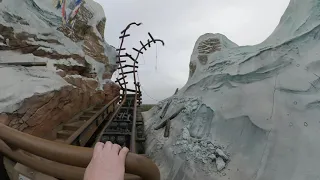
(118, 121)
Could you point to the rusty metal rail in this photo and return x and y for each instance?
(84, 133)
(133, 130)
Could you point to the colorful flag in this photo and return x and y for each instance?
(75, 10)
(68, 10)
(64, 16)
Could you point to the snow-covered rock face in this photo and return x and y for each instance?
(79, 63)
(35, 27)
(259, 105)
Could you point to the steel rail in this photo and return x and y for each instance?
(135, 62)
(133, 129)
(112, 117)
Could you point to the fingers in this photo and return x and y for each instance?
(97, 148)
(107, 146)
(116, 148)
(123, 154)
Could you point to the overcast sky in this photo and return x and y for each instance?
(179, 23)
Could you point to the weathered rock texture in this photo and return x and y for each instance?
(258, 105)
(79, 64)
(206, 45)
(40, 113)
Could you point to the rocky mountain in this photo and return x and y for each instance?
(79, 64)
(251, 112)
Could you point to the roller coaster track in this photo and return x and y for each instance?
(118, 121)
(126, 129)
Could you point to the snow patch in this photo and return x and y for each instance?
(2, 44)
(68, 62)
(23, 83)
(45, 49)
(111, 53)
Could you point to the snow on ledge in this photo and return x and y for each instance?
(19, 83)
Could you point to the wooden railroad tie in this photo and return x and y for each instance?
(163, 124)
(128, 72)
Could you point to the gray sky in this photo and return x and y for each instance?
(179, 23)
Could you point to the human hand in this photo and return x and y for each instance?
(107, 162)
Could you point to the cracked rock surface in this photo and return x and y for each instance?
(252, 112)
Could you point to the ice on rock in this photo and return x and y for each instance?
(198, 155)
(185, 133)
(212, 156)
(220, 164)
(210, 146)
(159, 146)
(202, 122)
(184, 142)
(203, 144)
(184, 146)
(204, 161)
(185, 119)
(192, 105)
(196, 148)
(222, 154)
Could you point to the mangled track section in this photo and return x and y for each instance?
(127, 127)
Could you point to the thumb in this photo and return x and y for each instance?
(123, 154)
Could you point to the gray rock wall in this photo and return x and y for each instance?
(259, 105)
